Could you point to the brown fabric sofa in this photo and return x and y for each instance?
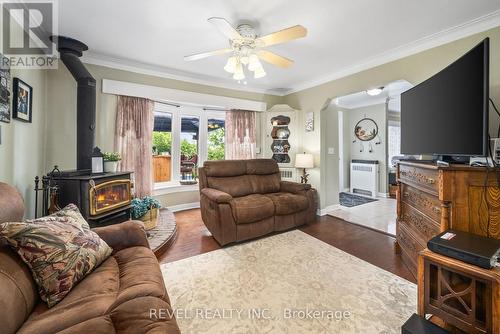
(244, 199)
(117, 297)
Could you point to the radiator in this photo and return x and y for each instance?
(365, 178)
(288, 174)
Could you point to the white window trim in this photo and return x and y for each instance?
(177, 112)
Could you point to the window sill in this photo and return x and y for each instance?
(174, 187)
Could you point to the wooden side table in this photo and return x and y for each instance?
(463, 296)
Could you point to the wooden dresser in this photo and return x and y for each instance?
(431, 199)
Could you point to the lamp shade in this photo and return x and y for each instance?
(304, 160)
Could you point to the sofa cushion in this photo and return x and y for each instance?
(235, 186)
(288, 203)
(264, 184)
(60, 250)
(120, 288)
(251, 208)
(262, 167)
(225, 168)
(18, 291)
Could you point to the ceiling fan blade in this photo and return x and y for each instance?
(273, 58)
(202, 55)
(283, 36)
(225, 28)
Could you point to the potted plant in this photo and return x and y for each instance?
(146, 210)
(111, 161)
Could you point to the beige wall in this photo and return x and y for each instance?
(32, 149)
(414, 69)
(22, 150)
(179, 198)
(378, 114)
(62, 108)
(329, 192)
(61, 116)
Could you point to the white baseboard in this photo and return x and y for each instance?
(383, 195)
(322, 212)
(182, 207)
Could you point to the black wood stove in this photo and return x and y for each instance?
(103, 198)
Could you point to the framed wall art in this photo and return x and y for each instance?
(22, 101)
(4, 92)
(366, 129)
(309, 122)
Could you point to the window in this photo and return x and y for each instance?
(183, 138)
(394, 140)
(190, 131)
(216, 138)
(162, 147)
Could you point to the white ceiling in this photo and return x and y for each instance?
(343, 36)
(392, 91)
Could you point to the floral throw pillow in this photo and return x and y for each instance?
(60, 250)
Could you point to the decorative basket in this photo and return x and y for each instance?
(150, 219)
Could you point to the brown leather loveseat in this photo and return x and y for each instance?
(125, 294)
(244, 199)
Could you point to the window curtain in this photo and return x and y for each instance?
(240, 134)
(133, 140)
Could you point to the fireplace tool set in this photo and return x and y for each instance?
(49, 189)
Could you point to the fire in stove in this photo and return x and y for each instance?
(109, 196)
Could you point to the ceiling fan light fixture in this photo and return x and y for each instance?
(244, 60)
(375, 91)
(253, 62)
(259, 72)
(238, 72)
(246, 48)
(230, 65)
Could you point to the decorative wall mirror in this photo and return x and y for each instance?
(366, 129)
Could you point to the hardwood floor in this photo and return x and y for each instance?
(374, 247)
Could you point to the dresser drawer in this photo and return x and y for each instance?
(422, 201)
(421, 177)
(421, 226)
(410, 247)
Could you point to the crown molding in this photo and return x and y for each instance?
(169, 73)
(468, 28)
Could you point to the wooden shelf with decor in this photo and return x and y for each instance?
(464, 298)
(432, 199)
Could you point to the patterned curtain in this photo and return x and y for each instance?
(133, 140)
(240, 134)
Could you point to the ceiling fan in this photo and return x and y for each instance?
(246, 48)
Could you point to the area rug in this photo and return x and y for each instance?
(286, 283)
(351, 200)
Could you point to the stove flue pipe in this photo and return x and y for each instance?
(70, 51)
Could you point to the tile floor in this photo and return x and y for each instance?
(379, 215)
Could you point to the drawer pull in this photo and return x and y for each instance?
(436, 209)
(406, 194)
(430, 180)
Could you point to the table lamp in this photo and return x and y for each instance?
(304, 160)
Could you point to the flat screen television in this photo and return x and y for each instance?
(447, 115)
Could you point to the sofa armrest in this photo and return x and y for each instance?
(124, 235)
(293, 187)
(216, 195)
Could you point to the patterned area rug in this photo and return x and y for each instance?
(286, 283)
(351, 200)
